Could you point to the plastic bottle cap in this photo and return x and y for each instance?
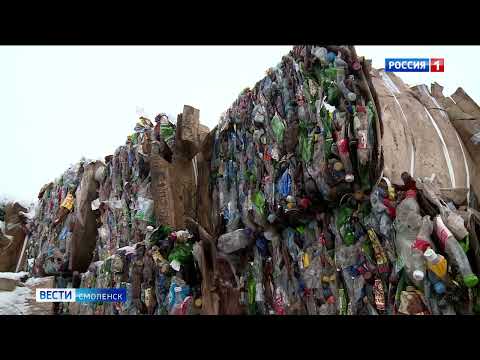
(338, 166)
(418, 275)
(470, 280)
(440, 288)
(430, 255)
(349, 178)
(352, 96)
(305, 202)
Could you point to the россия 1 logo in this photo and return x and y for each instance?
(414, 65)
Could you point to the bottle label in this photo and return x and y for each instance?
(442, 232)
(175, 265)
(342, 145)
(362, 139)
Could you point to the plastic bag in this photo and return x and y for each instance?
(278, 128)
(233, 241)
(182, 253)
(285, 184)
(259, 201)
(145, 210)
(306, 148)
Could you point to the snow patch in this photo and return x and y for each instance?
(15, 302)
(13, 275)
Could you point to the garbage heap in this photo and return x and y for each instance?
(281, 209)
(308, 224)
(54, 221)
(140, 192)
(114, 223)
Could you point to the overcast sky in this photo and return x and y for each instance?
(58, 104)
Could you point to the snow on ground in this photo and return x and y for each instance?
(19, 301)
(13, 275)
(34, 281)
(14, 302)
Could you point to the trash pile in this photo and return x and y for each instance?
(283, 208)
(308, 228)
(133, 250)
(53, 225)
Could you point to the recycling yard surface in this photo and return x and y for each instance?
(21, 301)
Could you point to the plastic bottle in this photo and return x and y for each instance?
(438, 284)
(344, 227)
(436, 263)
(321, 54)
(407, 224)
(455, 252)
(339, 62)
(342, 144)
(331, 57)
(360, 126)
(350, 96)
(233, 241)
(380, 212)
(456, 225)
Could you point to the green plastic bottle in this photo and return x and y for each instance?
(331, 73)
(344, 226)
(251, 290)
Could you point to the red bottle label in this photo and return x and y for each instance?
(342, 145)
(362, 139)
(442, 232)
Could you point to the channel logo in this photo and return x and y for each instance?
(84, 295)
(414, 65)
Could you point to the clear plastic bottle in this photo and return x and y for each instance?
(436, 263)
(438, 284)
(343, 145)
(407, 224)
(455, 253)
(350, 96)
(321, 54)
(456, 225)
(360, 125)
(339, 62)
(233, 241)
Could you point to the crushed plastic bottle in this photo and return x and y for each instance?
(455, 252)
(407, 225)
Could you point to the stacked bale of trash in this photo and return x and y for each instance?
(50, 244)
(419, 138)
(284, 208)
(308, 225)
(137, 246)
